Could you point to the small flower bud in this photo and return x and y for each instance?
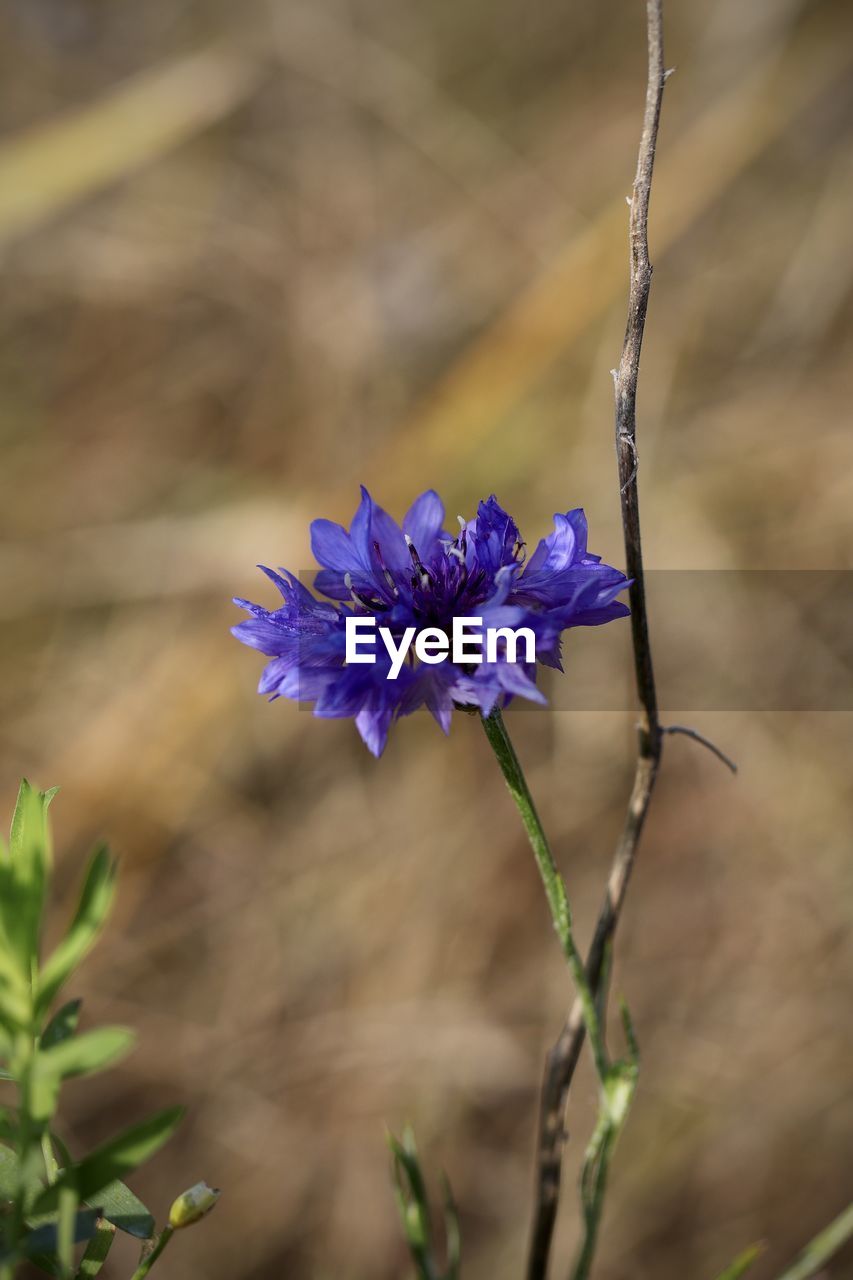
(192, 1205)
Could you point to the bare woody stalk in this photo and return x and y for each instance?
(563, 1057)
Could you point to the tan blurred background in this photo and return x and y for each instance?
(256, 254)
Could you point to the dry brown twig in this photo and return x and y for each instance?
(563, 1057)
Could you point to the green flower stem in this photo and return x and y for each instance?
(27, 1143)
(594, 1186)
(51, 1168)
(68, 1203)
(555, 890)
(617, 1079)
(147, 1263)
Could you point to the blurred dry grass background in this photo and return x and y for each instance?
(253, 257)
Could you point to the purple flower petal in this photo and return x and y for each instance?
(331, 546)
(479, 572)
(423, 522)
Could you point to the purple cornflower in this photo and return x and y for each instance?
(421, 576)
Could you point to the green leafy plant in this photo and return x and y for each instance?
(61, 1213)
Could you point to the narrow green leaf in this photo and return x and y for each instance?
(84, 1054)
(78, 1056)
(65, 1160)
(742, 1263)
(95, 902)
(66, 1228)
(125, 1210)
(97, 1250)
(114, 1159)
(16, 832)
(51, 1164)
(453, 1234)
(412, 1204)
(15, 992)
(19, 835)
(62, 1025)
(630, 1033)
(23, 878)
(824, 1245)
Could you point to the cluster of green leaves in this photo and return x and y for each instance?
(50, 1202)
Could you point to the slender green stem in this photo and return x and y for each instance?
(501, 744)
(599, 1166)
(51, 1168)
(617, 1079)
(148, 1262)
(68, 1203)
(27, 1146)
(97, 1250)
(555, 890)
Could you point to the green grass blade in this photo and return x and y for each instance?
(114, 1159)
(819, 1250)
(742, 1263)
